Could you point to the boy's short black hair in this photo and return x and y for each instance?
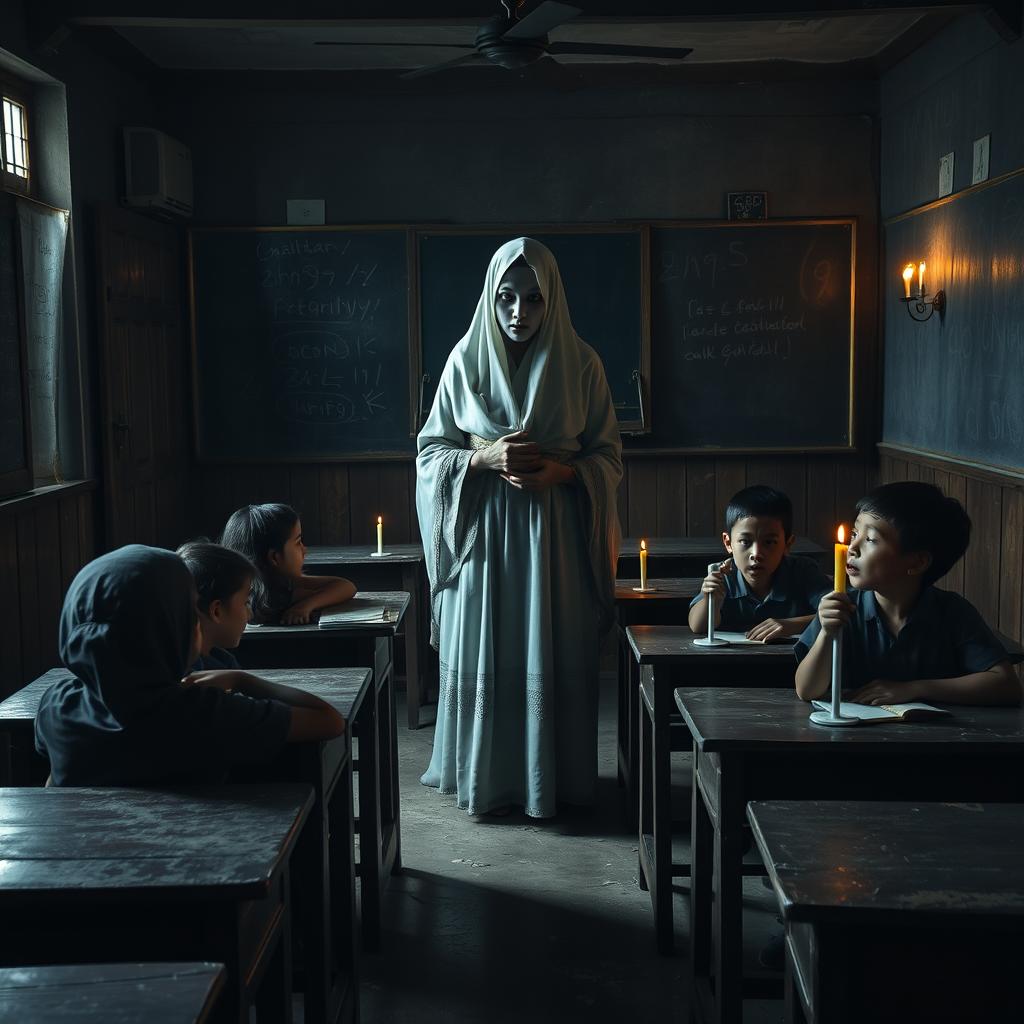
(760, 500)
(218, 571)
(924, 520)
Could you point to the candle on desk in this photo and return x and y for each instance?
(840, 562)
(908, 276)
(920, 278)
(643, 565)
(380, 536)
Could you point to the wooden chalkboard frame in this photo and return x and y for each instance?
(642, 228)
(756, 225)
(369, 456)
(17, 481)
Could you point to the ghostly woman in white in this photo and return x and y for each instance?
(517, 471)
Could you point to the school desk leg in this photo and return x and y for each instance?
(274, 998)
(370, 843)
(415, 696)
(661, 759)
(701, 852)
(727, 913)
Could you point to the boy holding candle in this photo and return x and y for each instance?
(760, 589)
(904, 639)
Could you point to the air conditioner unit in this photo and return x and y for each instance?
(158, 172)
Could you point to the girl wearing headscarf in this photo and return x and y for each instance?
(517, 470)
(124, 714)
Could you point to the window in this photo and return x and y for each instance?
(15, 145)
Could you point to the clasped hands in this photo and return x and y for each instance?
(520, 464)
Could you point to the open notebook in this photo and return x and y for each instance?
(911, 712)
(354, 613)
(741, 638)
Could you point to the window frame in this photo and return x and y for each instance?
(18, 91)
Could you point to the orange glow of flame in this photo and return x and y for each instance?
(643, 545)
(379, 520)
(841, 534)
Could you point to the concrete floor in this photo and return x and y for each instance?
(511, 919)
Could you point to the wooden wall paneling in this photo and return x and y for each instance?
(761, 470)
(11, 676)
(1011, 562)
(48, 580)
(703, 516)
(216, 500)
(393, 488)
(792, 480)
(87, 527)
(954, 579)
(670, 520)
(730, 477)
(267, 485)
(643, 498)
(850, 477)
(304, 496)
(70, 546)
(334, 505)
(28, 590)
(981, 563)
(364, 502)
(821, 499)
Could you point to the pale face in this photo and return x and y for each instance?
(757, 545)
(225, 621)
(519, 304)
(289, 561)
(876, 560)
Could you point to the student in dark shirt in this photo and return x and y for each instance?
(124, 715)
(761, 589)
(904, 639)
(223, 581)
(270, 536)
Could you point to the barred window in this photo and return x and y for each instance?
(14, 156)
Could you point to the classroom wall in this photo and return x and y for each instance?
(484, 147)
(965, 83)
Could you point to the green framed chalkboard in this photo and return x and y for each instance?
(300, 343)
(604, 269)
(754, 326)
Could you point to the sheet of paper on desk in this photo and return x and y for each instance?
(741, 638)
(347, 616)
(910, 712)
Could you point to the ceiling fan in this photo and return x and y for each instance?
(512, 42)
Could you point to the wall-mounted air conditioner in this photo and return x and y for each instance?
(158, 172)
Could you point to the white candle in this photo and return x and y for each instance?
(380, 536)
(643, 565)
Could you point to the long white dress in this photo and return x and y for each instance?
(522, 582)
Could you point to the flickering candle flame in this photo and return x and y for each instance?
(920, 278)
(908, 276)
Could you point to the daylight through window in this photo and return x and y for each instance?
(15, 148)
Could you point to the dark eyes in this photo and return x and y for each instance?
(509, 298)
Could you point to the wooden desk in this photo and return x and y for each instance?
(23, 766)
(666, 606)
(689, 556)
(184, 993)
(363, 644)
(105, 875)
(666, 656)
(897, 912)
(404, 568)
(756, 744)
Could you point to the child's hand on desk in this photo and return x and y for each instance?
(226, 679)
(770, 629)
(834, 612)
(297, 614)
(714, 582)
(885, 691)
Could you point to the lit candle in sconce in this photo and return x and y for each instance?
(908, 276)
(920, 278)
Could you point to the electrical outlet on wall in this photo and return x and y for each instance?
(979, 169)
(945, 175)
(305, 211)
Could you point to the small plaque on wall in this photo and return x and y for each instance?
(747, 205)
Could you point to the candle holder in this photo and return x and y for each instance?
(920, 307)
(645, 590)
(380, 554)
(833, 717)
(711, 640)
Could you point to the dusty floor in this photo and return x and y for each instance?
(510, 919)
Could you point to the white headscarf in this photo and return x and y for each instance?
(566, 408)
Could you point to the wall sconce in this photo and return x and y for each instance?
(919, 306)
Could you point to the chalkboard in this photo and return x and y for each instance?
(300, 343)
(15, 444)
(954, 385)
(753, 335)
(604, 272)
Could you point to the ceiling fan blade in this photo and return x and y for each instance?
(612, 50)
(436, 46)
(541, 20)
(430, 69)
